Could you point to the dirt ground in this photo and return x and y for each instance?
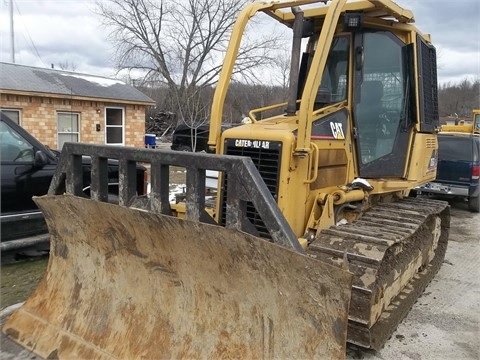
(443, 324)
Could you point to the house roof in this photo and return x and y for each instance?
(21, 78)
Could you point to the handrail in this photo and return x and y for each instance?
(252, 112)
(315, 154)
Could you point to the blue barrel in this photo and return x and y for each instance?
(150, 140)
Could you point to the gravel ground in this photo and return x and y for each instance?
(444, 324)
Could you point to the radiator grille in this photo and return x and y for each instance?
(267, 161)
(428, 87)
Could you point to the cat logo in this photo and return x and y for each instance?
(337, 130)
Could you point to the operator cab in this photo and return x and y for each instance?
(382, 103)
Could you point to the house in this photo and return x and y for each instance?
(58, 106)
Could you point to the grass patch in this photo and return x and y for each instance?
(19, 280)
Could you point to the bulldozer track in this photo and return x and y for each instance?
(394, 250)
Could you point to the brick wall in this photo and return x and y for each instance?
(38, 115)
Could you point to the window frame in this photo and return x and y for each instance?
(67, 132)
(110, 126)
(6, 112)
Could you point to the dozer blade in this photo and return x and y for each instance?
(125, 283)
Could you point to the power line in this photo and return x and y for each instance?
(32, 44)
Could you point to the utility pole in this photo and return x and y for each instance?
(12, 41)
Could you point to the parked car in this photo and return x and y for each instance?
(458, 170)
(27, 168)
(183, 138)
(183, 135)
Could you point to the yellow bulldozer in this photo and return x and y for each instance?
(313, 241)
(463, 127)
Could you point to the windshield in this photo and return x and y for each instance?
(11, 140)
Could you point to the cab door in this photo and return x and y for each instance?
(382, 106)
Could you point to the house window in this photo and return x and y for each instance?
(14, 115)
(68, 128)
(114, 126)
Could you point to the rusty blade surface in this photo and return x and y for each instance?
(124, 283)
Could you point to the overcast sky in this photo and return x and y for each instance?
(60, 31)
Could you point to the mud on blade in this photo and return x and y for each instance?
(124, 283)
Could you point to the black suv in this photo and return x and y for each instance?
(458, 170)
(183, 138)
(27, 168)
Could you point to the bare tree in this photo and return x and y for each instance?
(459, 98)
(181, 44)
(66, 65)
(283, 65)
